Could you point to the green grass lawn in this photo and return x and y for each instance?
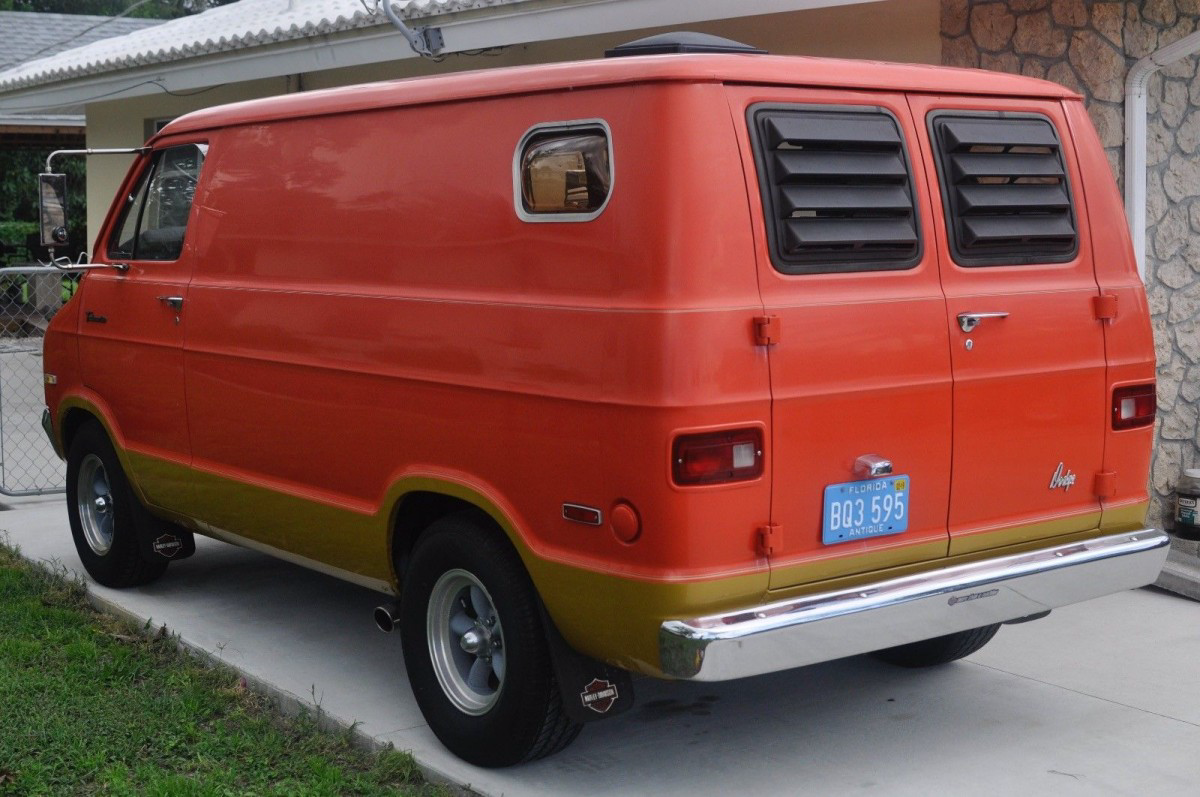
(90, 706)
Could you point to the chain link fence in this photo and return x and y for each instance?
(29, 298)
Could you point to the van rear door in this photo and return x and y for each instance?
(1026, 345)
(855, 329)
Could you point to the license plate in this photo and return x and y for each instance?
(871, 508)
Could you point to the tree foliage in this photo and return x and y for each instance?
(19, 169)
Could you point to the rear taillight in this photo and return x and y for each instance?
(1133, 406)
(717, 457)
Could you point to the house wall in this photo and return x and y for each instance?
(1089, 47)
(894, 30)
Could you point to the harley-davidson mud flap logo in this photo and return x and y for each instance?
(167, 545)
(599, 695)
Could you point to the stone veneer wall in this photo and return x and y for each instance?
(1089, 47)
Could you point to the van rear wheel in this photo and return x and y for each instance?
(475, 649)
(104, 511)
(939, 650)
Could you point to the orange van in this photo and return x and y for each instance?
(695, 362)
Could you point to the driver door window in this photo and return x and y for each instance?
(155, 216)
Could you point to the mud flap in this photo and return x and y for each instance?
(591, 690)
(160, 540)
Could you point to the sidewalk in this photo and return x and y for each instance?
(1103, 697)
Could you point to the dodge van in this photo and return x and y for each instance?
(693, 362)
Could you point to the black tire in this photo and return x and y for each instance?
(512, 719)
(119, 564)
(939, 650)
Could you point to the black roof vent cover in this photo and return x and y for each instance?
(681, 42)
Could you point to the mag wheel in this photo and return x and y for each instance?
(475, 649)
(103, 512)
(94, 503)
(466, 642)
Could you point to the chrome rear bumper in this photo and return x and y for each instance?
(830, 625)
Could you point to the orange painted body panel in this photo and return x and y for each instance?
(364, 308)
(450, 335)
(1028, 396)
(131, 354)
(861, 368)
(1128, 344)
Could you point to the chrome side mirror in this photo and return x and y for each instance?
(52, 209)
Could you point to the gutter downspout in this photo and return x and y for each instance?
(1135, 136)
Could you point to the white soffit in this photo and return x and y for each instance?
(254, 39)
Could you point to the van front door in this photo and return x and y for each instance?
(1026, 345)
(855, 333)
(133, 321)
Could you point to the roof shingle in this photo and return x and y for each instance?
(25, 35)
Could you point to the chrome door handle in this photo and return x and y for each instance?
(175, 302)
(968, 321)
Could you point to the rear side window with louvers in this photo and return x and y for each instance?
(1005, 190)
(837, 189)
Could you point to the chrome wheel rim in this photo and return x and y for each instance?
(94, 501)
(466, 642)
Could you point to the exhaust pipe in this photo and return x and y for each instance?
(387, 617)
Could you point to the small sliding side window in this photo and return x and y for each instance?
(837, 189)
(1005, 190)
(563, 171)
(155, 216)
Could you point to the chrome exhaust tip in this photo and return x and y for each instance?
(387, 617)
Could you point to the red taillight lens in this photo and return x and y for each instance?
(1133, 406)
(717, 457)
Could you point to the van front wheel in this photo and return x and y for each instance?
(475, 649)
(104, 511)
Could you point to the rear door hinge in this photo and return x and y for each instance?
(770, 537)
(1106, 306)
(1106, 484)
(767, 329)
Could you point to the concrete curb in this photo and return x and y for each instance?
(285, 702)
(1181, 573)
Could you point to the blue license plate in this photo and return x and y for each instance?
(871, 508)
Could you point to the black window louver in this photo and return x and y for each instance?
(1005, 190)
(837, 190)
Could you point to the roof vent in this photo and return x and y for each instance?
(681, 42)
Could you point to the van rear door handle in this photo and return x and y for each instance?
(175, 302)
(968, 321)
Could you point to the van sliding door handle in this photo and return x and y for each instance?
(175, 302)
(968, 321)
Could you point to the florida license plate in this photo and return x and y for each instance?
(871, 508)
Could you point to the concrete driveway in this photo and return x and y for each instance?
(1099, 698)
